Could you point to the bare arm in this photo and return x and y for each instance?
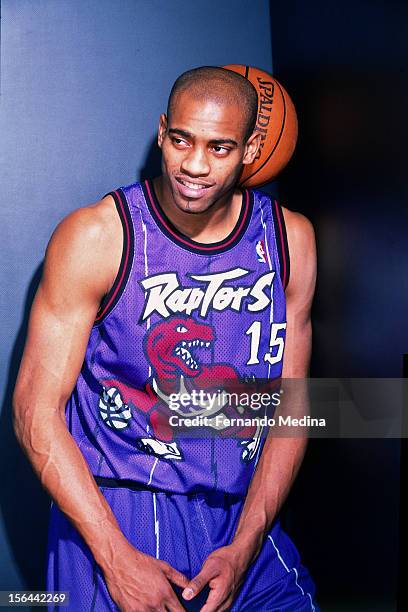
(80, 266)
(281, 457)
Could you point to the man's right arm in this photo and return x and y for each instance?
(79, 269)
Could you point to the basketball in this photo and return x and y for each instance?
(277, 123)
(113, 411)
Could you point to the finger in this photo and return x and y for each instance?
(226, 605)
(216, 598)
(176, 577)
(197, 583)
(173, 604)
(215, 607)
(220, 593)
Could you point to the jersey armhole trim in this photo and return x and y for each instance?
(281, 243)
(112, 297)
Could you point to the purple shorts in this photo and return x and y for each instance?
(182, 530)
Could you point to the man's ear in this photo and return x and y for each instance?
(162, 129)
(251, 148)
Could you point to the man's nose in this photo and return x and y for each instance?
(195, 163)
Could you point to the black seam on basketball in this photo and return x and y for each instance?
(277, 142)
(246, 71)
(127, 250)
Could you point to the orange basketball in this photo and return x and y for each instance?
(277, 123)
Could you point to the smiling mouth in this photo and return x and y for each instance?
(195, 186)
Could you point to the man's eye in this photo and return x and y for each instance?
(179, 141)
(220, 149)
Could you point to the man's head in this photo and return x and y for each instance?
(220, 85)
(207, 135)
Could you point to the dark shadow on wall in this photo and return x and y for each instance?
(24, 504)
(348, 175)
(348, 178)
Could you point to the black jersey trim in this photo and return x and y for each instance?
(186, 242)
(112, 297)
(281, 242)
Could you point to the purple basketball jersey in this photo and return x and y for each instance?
(182, 316)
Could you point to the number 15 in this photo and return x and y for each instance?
(274, 341)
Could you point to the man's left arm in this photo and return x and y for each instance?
(225, 568)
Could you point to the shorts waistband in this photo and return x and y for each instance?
(133, 485)
(101, 481)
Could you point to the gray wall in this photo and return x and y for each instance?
(83, 84)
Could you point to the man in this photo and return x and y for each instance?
(157, 290)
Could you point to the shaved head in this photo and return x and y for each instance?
(221, 86)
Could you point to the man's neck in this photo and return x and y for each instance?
(207, 227)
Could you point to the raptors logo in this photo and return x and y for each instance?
(176, 349)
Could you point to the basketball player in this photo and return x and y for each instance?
(158, 289)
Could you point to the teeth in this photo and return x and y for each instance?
(190, 362)
(185, 354)
(193, 343)
(192, 185)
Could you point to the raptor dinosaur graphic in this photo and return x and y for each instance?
(176, 349)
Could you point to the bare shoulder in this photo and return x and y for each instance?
(299, 229)
(88, 223)
(87, 243)
(302, 252)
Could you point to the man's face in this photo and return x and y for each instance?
(203, 150)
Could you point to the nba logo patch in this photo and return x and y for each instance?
(260, 251)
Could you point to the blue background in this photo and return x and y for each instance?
(82, 85)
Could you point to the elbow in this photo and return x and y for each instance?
(34, 417)
(25, 417)
(19, 415)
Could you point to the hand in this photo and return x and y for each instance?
(224, 571)
(140, 583)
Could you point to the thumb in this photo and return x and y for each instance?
(197, 584)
